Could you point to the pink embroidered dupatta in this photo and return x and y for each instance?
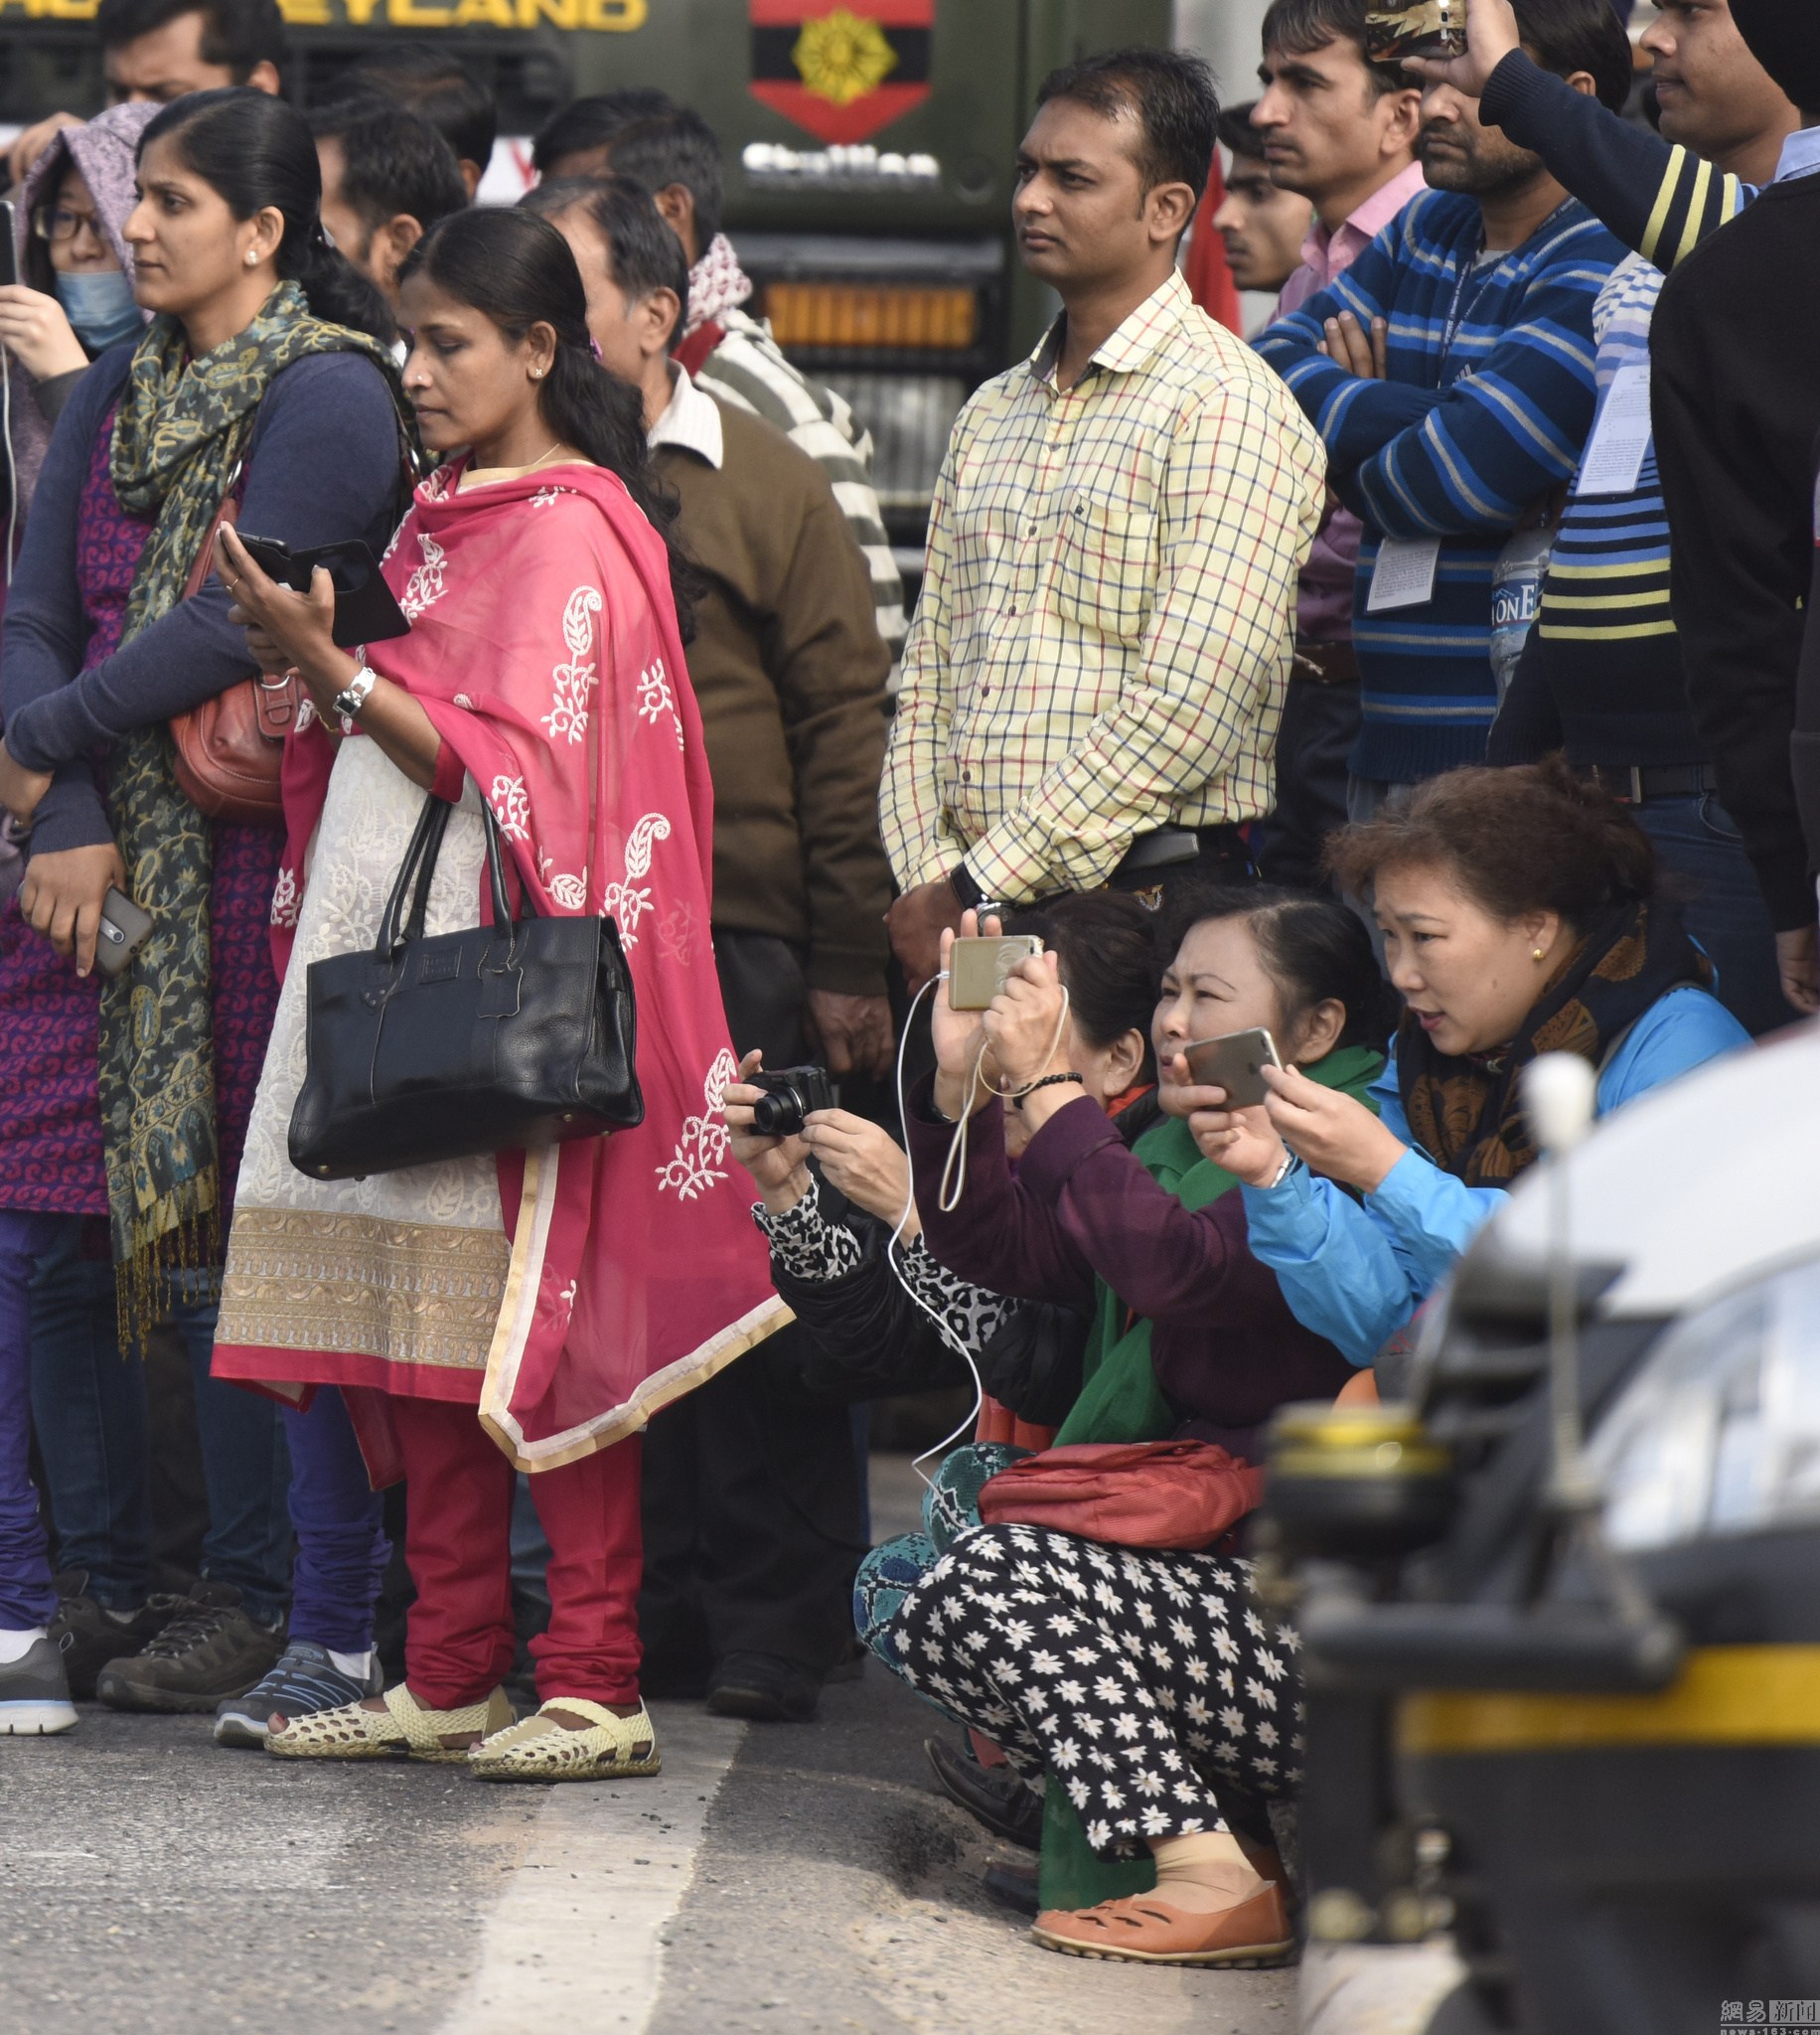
(543, 646)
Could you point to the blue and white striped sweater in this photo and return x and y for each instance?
(1460, 441)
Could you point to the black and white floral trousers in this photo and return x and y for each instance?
(1141, 1683)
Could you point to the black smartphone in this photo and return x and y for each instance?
(1235, 1063)
(364, 611)
(9, 251)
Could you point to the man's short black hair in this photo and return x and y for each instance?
(435, 86)
(592, 122)
(392, 161)
(1565, 36)
(1171, 91)
(1300, 27)
(675, 146)
(642, 250)
(239, 35)
(1237, 131)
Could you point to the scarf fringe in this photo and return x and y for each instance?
(143, 1282)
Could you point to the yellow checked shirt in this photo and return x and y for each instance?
(1102, 640)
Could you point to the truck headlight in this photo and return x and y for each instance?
(1719, 1431)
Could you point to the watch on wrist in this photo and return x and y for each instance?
(961, 883)
(352, 697)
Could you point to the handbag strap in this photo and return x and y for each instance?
(419, 868)
(228, 513)
(419, 863)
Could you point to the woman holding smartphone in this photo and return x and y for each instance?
(126, 1100)
(527, 1310)
(1143, 1746)
(1520, 916)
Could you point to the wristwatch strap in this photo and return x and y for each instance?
(352, 697)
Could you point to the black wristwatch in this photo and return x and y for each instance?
(961, 883)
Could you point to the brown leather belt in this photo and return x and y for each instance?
(1326, 664)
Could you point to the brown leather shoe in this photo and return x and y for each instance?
(1144, 1930)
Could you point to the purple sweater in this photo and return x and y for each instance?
(1081, 1207)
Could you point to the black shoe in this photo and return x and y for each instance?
(90, 1635)
(1016, 1886)
(764, 1688)
(851, 1665)
(209, 1650)
(997, 1797)
(670, 1679)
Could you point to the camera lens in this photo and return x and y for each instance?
(778, 1114)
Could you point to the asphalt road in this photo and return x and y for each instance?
(779, 1878)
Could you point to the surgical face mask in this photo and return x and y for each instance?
(99, 303)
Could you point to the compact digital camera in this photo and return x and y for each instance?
(792, 1095)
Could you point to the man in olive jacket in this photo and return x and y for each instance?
(753, 1520)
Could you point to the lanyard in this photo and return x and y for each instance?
(1457, 311)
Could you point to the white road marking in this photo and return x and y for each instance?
(575, 1942)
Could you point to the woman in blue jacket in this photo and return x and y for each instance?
(1519, 917)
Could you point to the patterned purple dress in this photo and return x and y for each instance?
(49, 1107)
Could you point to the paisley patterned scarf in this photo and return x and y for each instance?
(1465, 1111)
(182, 428)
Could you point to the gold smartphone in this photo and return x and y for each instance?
(976, 969)
(1235, 1063)
(1394, 29)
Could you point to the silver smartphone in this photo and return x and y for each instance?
(976, 969)
(1235, 1063)
(124, 929)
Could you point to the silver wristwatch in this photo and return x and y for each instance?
(352, 697)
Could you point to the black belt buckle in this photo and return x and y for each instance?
(1161, 849)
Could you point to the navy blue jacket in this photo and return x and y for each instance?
(323, 464)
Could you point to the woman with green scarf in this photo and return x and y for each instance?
(1145, 1688)
(264, 372)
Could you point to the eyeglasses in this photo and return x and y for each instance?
(58, 225)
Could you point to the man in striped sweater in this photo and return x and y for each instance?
(672, 150)
(1604, 675)
(1450, 372)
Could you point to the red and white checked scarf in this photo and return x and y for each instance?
(716, 283)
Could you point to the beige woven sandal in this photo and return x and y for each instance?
(403, 1726)
(540, 1749)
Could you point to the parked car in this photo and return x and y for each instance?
(1574, 1734)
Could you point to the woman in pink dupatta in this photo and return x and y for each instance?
(529, 1310)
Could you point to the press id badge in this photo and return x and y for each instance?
(1613, 461)
(1404, 575)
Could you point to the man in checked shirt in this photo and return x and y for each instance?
(1096, 672)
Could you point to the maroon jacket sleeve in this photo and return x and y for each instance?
(1165, 1262)
(999, 1235)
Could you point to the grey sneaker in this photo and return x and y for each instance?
(303, 1681)
(34, 1693)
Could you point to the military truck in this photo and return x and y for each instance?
(869, 149)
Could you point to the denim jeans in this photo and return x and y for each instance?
(26, 1596)
(1702, 854)
(91, 1409)
(342, 1544)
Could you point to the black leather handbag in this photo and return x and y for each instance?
(503, 1036)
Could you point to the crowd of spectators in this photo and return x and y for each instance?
(1384, 683)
